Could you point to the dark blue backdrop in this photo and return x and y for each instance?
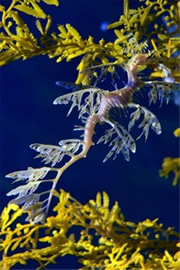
(28, 115)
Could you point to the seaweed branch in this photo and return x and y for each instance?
(120, 243)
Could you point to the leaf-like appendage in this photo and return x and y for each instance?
(134, 117)
(70, 86)
(123, 142)
(25, 200)
(54, 154)
(25, 193)
(102, 76)
(49, 153)
(31, 174)
(71, 146)
(161, 90)
(153, 96)
(107, 136)
(149, 121)
(65, 99)
(24, 190)
(91, 102)
(128, 140)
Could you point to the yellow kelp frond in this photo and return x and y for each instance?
(168, 51)
(177, 132)
(6, 218)
(172, 165)
(138, 20)
(16, 39)
(133, 37)
(155, 22)
(120, 244)
(30, 7)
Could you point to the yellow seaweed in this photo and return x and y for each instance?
(120, 244)
(171, 165)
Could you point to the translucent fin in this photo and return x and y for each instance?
(161, 90)
(149, 120)
(31, 175)
(102, 76)
(69, 85)
(91, 102)
(26, 196)
(53, 153)
(122, 143)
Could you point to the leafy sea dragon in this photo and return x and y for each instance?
(94, 105)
